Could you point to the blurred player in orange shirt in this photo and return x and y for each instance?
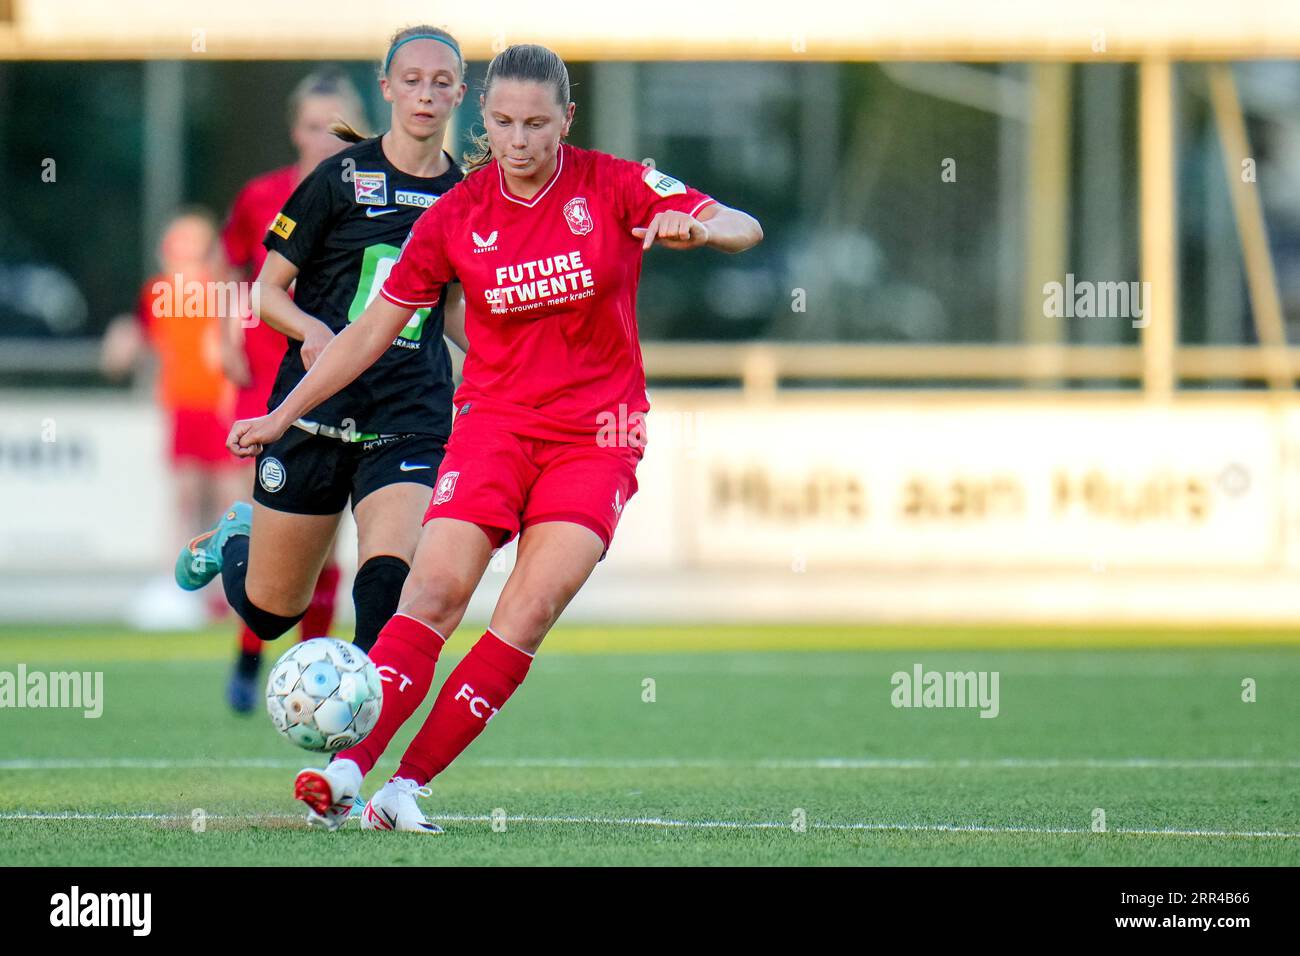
(178, 318)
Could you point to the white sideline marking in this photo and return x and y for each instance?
(670, 763)
(680, 824)
(147, 763)
(901, 827)
(907, 763)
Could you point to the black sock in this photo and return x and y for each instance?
(375, 593)
(234, 569)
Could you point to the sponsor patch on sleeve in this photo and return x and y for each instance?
(662, 184)
(283, 226)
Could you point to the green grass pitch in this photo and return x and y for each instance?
(750, 730)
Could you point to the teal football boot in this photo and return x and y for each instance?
(200, 560)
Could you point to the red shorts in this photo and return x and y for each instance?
(199, 436)
(505, 482)
(250, 400)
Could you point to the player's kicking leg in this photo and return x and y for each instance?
(554, 560)
(449, 563)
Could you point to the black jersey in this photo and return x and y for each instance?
(343, 228)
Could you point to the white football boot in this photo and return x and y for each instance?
(329, 793)
(393, 807)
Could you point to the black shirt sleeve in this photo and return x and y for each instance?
(308, 216)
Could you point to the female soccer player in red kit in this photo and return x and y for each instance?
(252, 351)
(547, 240)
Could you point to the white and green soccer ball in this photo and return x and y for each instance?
(324, 695)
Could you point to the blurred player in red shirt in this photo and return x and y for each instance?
(252, 350)
(547, 240)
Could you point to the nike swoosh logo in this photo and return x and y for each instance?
(372, 213)
(405, 467)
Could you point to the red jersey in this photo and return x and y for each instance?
(255, 208)
(550, 289)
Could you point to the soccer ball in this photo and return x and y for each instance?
(324, 695)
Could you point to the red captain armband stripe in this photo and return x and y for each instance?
(403, 303)
(707, 201)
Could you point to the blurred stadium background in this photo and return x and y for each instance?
(874, 416)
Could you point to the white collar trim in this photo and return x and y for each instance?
(555, 177)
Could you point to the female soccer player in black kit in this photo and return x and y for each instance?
(378, 442)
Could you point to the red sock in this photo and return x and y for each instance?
(320, 612)
(405, 653)
(249, 643)
(473, 693)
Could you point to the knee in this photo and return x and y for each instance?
(440, 601)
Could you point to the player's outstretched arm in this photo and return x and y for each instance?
(717, 226)
(348, 354)
(730, 230)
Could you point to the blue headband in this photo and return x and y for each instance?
(421, 36)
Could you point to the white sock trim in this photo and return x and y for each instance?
(425, 624)
(508, 644)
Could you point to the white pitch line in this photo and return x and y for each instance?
(899, 827)
(161, 817)
(899, 763)
(1032, 763)
(670, 763)
(667, 823)
(149, 763)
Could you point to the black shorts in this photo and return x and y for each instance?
(308, 474)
